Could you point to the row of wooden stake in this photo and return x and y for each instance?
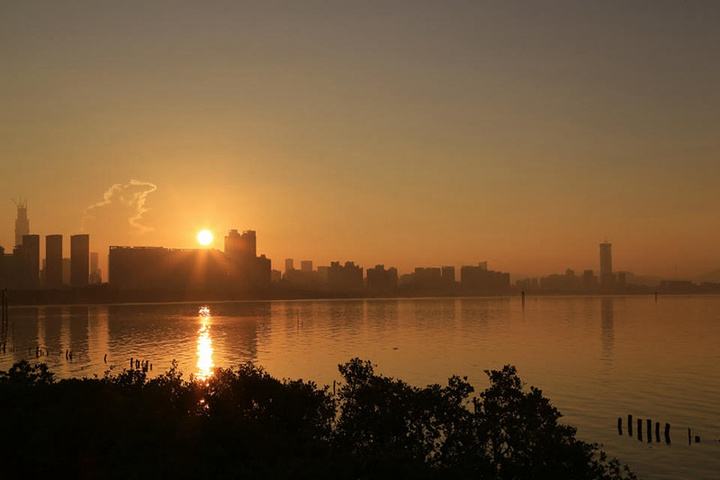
(649, 430)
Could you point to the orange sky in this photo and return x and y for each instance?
(403, 133)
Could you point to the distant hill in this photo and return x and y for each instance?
(710, 277)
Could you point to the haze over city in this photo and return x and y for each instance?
(399, 133)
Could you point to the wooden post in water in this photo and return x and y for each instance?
(667, 433)
(630, 425)
(657, 432)
(689, 437)
(649, 430)
(3, 318)
(639, 425)
(619, 425)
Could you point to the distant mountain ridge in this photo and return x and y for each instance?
(710, 277)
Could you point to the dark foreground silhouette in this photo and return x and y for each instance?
(243, 423)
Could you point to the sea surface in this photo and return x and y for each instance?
(597, 358)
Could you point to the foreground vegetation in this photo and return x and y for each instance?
(243, 423)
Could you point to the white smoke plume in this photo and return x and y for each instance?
(127, 199)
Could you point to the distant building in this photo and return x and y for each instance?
(289, 264)
(158, 268)
(15, 269)
(447, 274)
(31, 249)
(66, 271)
(345, 278)
(275, 276)
(428, 277)
(306, 266)
(22, 224)
(380, 280)
(53, 261)
(479, 280)
(95, 274)
(589, 280)
(606, 273)
(79, 260)
(323, 274)
(528, 284)
(241, 248)
(568, 282)
(245, 270)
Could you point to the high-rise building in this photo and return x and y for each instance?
(79, 260)
(380, 280)
(31, 248)
(22, 224)
(306, 266)
(606, 273)
(95, 276)
(53, 261)
(245, 268)
(239, 247)
(447, 274)
(66, 271)
(289, 264)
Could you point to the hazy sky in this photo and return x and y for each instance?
(408, 133)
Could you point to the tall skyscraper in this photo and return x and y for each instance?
(606, 273)
(22, 224)
(79, 260)
(53, 261)
(31, 248)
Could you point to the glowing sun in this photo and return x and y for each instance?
(204, 237)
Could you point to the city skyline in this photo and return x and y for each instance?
(404, 134)
(603, 268)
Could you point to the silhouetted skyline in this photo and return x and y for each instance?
(397, 133)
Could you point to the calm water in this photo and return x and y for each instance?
(596, 358)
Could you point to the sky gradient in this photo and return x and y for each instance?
(404, 133)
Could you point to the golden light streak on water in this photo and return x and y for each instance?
(205, 363)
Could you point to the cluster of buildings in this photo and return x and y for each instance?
(238, 268)
(474, 279)
(22, 269)
(587, 282)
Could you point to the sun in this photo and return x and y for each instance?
(205, 237)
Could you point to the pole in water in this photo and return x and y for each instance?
(619, 425)
(657, 432)
(523, 298)
(667, 433)
(639, 426)
(630, 425)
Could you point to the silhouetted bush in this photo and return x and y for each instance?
(243, 423)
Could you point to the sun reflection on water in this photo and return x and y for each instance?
(204, 345)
